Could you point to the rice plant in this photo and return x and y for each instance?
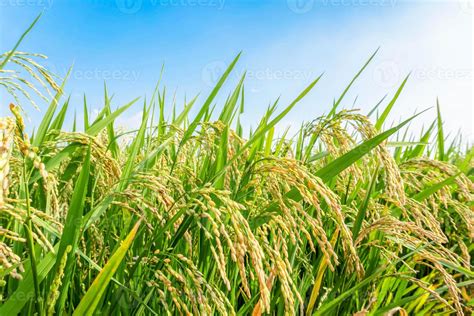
(196, 216)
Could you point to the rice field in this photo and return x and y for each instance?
(194, 215)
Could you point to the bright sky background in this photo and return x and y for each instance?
(285, 44)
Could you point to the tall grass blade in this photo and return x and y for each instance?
(72, 229)
(440, 133)
(336, 166)
(10, 54)
(341, 97)
(89, 302)
(383, 116)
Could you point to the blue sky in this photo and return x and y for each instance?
(285, 44)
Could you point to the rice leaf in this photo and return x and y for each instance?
(440, 133)
(94, 294)
(434, 188)
(336, 166)
(72, 229)
(10, 54)
(95, 128)
(341, 97)
(25, 291)
(383, 117)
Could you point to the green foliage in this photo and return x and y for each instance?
(330, 221)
